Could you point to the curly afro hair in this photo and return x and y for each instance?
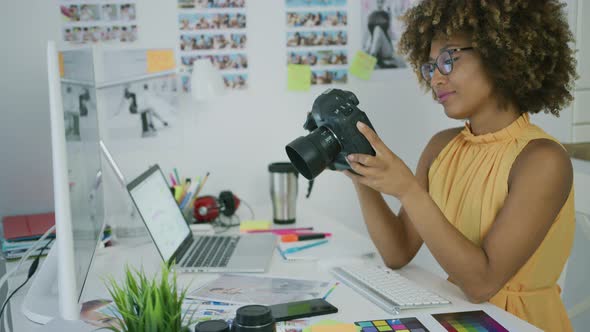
(523, 45)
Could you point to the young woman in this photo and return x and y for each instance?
(493, 200)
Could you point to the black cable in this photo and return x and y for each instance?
(226, 227)
(309, 186)
(32, 270)
(249, 208)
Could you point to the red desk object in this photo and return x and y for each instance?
(27, 227)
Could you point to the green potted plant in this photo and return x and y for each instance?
(148, 305)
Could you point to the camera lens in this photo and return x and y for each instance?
(212, 326)
(253, 318)
(311, 154)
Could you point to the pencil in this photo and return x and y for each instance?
(331, 290)
(202, 184)
(297, 249)
(177, 177)
(193, 198)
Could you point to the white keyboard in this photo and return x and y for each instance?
(387, 288)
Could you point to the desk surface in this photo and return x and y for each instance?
(352, 306)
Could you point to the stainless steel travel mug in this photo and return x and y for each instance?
(283, 191)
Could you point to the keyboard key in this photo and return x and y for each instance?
(386, 287)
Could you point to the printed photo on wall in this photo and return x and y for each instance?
(78, 102)
(144, 109)
(310, 19)
(319, 77)
(317, 36)
(236, 81)
(231, 81)
(205, 4)
(212, 21)
(94, 21)
(199, 42)
(97, 34)
(222, 62)
(381, 30)
(110, 12)
(315, 3)
(214, 30)
(322, 58)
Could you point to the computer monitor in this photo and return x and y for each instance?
(78, 197)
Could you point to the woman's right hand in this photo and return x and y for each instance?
(355, 180)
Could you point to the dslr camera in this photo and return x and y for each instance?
(333, 135)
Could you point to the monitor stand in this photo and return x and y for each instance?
(41, 303)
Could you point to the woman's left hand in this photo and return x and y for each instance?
(384, 172)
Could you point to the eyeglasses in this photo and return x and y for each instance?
(444, 63)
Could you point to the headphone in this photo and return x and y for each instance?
(208, 208)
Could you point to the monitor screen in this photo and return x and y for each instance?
(160, 213)
(84, 174)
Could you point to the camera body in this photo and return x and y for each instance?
(334, 135)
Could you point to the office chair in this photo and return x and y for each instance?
(576, 292)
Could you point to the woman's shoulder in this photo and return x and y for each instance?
(439, 141)
(542, 155)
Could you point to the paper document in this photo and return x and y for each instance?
(260, 290)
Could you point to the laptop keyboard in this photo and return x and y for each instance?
(211, 251)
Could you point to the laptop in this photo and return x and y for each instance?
(175, 241)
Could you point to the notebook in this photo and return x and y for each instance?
(27, 227)
(175, 241)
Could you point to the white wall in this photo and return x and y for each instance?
(235, 138)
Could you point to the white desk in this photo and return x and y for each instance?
(352, 307)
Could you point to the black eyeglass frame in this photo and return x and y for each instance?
(434, 65)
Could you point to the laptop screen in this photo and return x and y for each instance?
(160, 212)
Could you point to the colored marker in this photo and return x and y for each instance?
(202, 184)
(282, 253)
(294, 237)
(281, 231)
(185, 200)
(177, 177)
(297, 249)
(331, 290)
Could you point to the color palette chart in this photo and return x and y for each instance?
(410, 324)
(476, 321)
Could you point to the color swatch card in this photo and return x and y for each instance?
(410, 324)
(469, 321)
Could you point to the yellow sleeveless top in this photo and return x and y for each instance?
(469, 182)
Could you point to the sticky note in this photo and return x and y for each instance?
(332, 326)
(299, 77)
(363, 65)
(335, 328)
(254, 225)
(160, 60)
(60, 59)
(178, 193)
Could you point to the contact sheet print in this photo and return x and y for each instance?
(98, 21)
(214, 30)
(317, 36)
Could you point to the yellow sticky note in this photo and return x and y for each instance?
(335, 328)
(60, 59)
(299, 77)
(160, 60)
(363, 65)
(178, 193)
(332, 326)
(254, 225)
